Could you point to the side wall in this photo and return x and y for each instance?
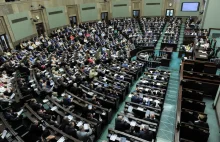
(56, 17)
(211, 18)
(21, 25)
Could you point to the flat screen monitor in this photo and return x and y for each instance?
(190, 6)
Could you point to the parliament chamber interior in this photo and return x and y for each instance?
(109, 71)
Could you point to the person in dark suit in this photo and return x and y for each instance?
(201, 121)
(34, 105)
(145, 134)
(151, 118)
(136, 99)
(10, 115)
(35, 131)
(70, 129)
(121, 125)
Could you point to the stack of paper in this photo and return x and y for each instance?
(113, 137)
(53, 108)
(70, 117)
(86, 126)
(62, 139)
(133, 123)
(4, 134)
(130, 108)
(147, 113)
(79, 124)
(141, 109)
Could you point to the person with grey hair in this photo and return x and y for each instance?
(121, 125)
(84, 135)
(55, 97)
(145, 133)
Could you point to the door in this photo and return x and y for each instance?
(170, 12)
(73, 21)
(136, 13)
(4, 43)
(40, 28)
(104, 16)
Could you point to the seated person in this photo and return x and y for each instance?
(10, 115)
(145, 133)
(121, 125)
(201, 121)
(151, 118)
(66, 100)
(83, 135)
(136, 99)
(71, 130)
(35, 131)
(34, 105)
(55, 97)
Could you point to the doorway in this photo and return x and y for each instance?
(73, 21)
(4, 43)
(169, 12)
(40, 28)
(136, 14)
(104, 16)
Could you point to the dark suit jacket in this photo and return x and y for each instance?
(146, 135)
(121, 126)
(35, 106)
(70, 131)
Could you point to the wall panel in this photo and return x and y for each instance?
(153, 7)
(88, 12)
(121, 9)
(56, 17)
(23, 28)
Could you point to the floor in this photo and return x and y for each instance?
(168, 118)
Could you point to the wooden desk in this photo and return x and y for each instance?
(200, 56)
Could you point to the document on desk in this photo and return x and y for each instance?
(4, 134)
(20, 112)
(113, 137)
(140, 108)
(141, 95)
(203, 55)
(70, 117)
(79, 124)
(89, 107)
(86, 126)
(12, 96)
(62, 139)
(126, 119)
(53, 108)
(146, 89)
(133, 123)
(147, 113)
(45, 100)
(130, 108)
